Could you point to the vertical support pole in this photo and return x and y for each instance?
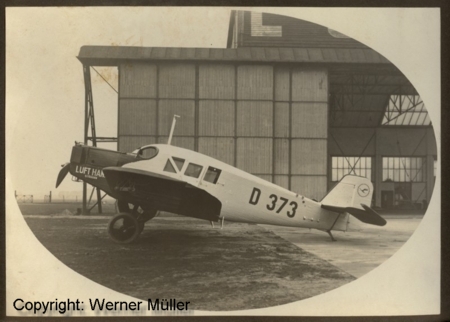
(84, 198)
(89, 119)
(237, 33)
(378, 170)
(197, 107)
(235, 113)
(50, 197)
(290, 131)
(328, 174)
(273, 121)
(86, 126)
(157, 105)
(118, 106)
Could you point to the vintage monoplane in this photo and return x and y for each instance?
(162, 177)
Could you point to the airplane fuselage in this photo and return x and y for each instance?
(244, 197)
(162, 177)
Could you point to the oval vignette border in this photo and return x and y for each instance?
(56, 274)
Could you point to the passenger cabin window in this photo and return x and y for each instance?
(179, 163)
(148, 152)
(169, 167)
(193, 170)
(212, 175)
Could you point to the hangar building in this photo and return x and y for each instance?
(292, 102)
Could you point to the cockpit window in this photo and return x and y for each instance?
(212, 175)
(179, 163)
(148, 152)
(169, 167)
(193, 170)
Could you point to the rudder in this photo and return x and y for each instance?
(351, 191)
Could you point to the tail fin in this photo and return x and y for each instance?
(351, 191)
(353, 194)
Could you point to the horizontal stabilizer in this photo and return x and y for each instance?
(366, 215)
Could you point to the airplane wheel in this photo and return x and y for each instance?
(124, 228)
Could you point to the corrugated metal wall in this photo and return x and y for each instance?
(309, 120)
(269, 120)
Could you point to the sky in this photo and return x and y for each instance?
(44, 79)
(45, 86)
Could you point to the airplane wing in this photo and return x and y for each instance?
(161, 192)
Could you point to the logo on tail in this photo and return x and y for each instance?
(363, 190)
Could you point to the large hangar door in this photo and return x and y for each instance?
(149, 96)
(254, 114)
(309, 132)
(269, 120)
(217, 105)
(177, 93)
(138, 92)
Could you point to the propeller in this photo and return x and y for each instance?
(62, 173)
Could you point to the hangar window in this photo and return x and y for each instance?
(179, 163)
(193, 170)
(169, 167)
(406, 110)
(212, 175)
(360, 166)
(404, 169)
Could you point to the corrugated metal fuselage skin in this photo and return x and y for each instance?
(244, 197)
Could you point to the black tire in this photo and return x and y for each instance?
(124, 228)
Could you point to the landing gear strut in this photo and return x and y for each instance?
(126, 227)
(329, 233)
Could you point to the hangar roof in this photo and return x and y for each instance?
(361, 81)
(351, 70)
(113, 55)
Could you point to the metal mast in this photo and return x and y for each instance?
(89, 118)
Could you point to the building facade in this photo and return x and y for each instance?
(292, 102)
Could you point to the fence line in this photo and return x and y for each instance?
(24, 198)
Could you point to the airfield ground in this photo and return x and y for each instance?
(240, 267)
(360, 249)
